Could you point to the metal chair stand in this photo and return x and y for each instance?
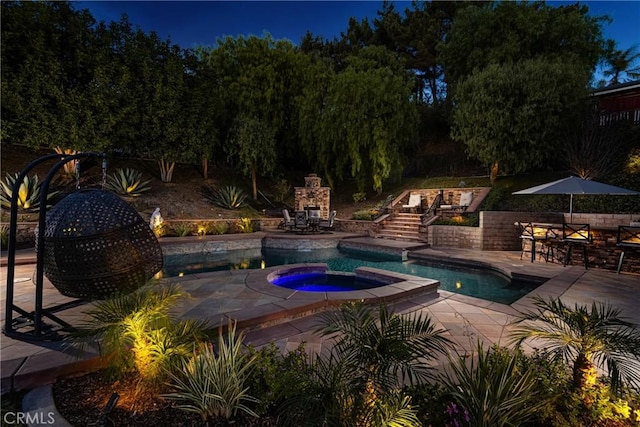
(85, 256)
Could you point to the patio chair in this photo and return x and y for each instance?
(534, 235)
(576, 235)
(414, 202)
(327, 225)
(288, 223)
(628, 238)
(301, 221)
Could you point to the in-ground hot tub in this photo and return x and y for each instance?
(316, 278)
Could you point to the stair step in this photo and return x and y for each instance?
(400, 233)
(394, 237)
(396, 227)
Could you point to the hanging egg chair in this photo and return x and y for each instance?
(97, 245)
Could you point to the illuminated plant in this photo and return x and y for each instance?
(182, 229)
(4, 236)
(586, 337)
(244, 225)
(127, 182)
(28, 193)
(215, 385)
(228, 197)
(137, 332)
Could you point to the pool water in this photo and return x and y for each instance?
(321, 282)
(471, 282)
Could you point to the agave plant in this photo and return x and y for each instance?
(28, 193)
(182, 229)
(228, 197)
(127, 182)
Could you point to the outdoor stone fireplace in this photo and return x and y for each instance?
(313, 195)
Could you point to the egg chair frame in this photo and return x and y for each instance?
(30, 325)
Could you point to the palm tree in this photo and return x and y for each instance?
(586, 338)
(380, 344)
(621, 62)
(375, 352)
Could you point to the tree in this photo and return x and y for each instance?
(514, 115)
(587, 338)
(508, 32)
(598, 149)
(375, 353)
(253, 146)
(621, 62)
(357, 122)
(54, 91)
(259, 78)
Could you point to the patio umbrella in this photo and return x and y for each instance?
(574, 185)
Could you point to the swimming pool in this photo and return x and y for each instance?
(472, 282)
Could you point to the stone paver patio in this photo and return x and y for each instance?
(466, 319)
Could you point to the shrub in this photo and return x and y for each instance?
(359, 197)
(4, 237)
(244, 225)
(137, 332)
(182, 229)
(491, 390)
(219, 228)
(276, 377)
(363, 215)
(228, 197)
(127, 182)
(214, 385)
(375, 351)
(282, 191)
(28, 193)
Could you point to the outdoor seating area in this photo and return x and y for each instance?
(601, 246)
(307, 220)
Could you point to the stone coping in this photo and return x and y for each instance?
(294, 303)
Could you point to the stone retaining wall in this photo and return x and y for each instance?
(453, 236)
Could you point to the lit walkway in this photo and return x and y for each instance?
(466, 319)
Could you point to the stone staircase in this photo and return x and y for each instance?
(401, 226)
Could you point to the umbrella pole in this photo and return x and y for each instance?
(571, 208)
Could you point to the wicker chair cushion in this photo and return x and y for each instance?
(97, 245)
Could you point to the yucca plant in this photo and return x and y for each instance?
(228, 197)
(182, 229)
(491, 390)
(127, 182)
(137, 332)
(214, 385)
(28, 193)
